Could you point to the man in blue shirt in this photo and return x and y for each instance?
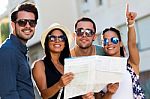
(15, 74)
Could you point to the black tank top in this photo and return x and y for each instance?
(53, 76)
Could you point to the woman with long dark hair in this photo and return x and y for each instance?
(48, 72)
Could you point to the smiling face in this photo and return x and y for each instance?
(111, 48)
(58, 45)
(24, 33)
(84, 41)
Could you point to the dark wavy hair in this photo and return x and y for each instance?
(64, 54)
(86, 19)
(119, 36)
(28, 7)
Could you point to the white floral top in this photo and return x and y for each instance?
(137, 90)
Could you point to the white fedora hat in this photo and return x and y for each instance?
(50, 28)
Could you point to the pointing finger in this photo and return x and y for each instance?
(127, 9)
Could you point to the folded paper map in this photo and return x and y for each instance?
(93, 73)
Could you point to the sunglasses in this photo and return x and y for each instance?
(60, 38)
(81, 31)
(114, 40)
(23, 22)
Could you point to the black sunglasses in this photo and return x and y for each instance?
(114, 40)
(23, 22)
(81, 31)
(53, 38)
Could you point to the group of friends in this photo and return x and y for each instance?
(48, 72)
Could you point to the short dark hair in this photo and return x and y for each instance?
(86, 19)
(119, 36)
(29, 7)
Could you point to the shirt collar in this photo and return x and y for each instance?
(23, 48)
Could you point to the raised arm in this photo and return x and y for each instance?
(134, 58)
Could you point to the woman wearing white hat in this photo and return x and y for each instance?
(48, 72)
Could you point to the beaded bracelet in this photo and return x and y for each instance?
(131, 25)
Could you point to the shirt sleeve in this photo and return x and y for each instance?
(8, 67)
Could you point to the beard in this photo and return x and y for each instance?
(84, 46)
(23, 37)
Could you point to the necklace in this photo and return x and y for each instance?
(58, 66)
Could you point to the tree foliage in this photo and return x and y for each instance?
(4, 31)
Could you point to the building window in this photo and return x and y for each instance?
(85, 1)
(143, 29)
(99, 2)
(85, 6)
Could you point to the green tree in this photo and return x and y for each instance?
(4, 31)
